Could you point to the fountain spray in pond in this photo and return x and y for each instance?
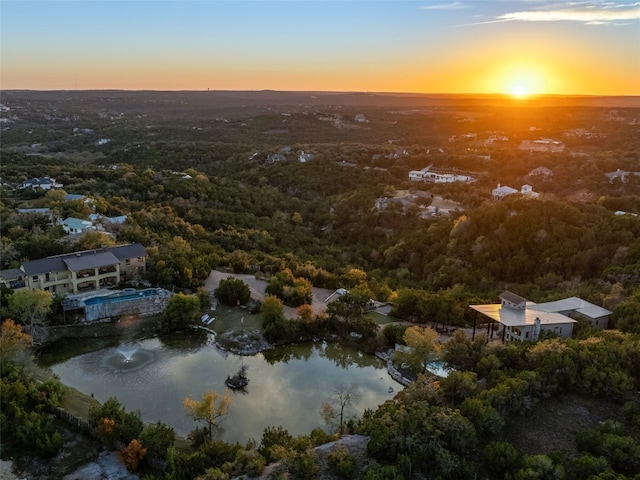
(128, 353)
(127, 358)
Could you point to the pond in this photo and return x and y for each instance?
(287, 384)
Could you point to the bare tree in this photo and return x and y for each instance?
(333, 410)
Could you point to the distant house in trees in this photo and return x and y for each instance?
(527, 191)
(542, 145)
(305, 157)
(275, 158)
(502, 191)
(72, 197)
(540, 172)
(517, 319)
(77, 225)
(621, 174)
(418, 175)
(101, 219)
(40, 183)
(40, 211)
(440, 175)
(86, 270)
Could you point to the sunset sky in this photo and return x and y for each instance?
(516, 47)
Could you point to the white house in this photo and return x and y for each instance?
(513, 319)
(436, 175)
(527, 191)
(523, 320)
(502, 191)
(573, 307)
(418, 175)
(305, 157)
(42, 183)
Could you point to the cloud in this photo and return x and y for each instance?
(589, 13)
(445, 6)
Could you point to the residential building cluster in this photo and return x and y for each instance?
(78, 272)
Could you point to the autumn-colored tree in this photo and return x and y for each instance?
(12, 341)
(207, 410)
(105, 430)
(94, 239)
(343, 397)
(132, 455)
(423, 347)
(305, 313)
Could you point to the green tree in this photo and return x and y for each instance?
(31, 307)
(341, 463)
(276, 326)
(157, 438)
(484, 417)
(462, 353)
(501, 458)
(293, 291)
(626, 316)
(232, 291)
(539, 467)
(37, 433)
(458, 386)
(112, 423)
(181, 312)
(272, 437)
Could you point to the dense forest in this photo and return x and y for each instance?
(212, 182)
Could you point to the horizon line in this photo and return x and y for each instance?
(351, 92)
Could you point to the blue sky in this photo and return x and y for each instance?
(582, 47)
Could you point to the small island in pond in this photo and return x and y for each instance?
(239, 380)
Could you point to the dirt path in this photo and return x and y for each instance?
(257, 287)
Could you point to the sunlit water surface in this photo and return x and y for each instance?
(287, 385)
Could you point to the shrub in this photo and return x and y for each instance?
(341, 463)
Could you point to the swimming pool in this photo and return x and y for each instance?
(124, 295)
(437, 368)
(129, 301)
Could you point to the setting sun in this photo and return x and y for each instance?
(519, 91)
(520, 80)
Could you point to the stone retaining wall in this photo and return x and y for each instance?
(393, 371)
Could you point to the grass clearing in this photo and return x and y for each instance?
(381, 319)
(229, 318)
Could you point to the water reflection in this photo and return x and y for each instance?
(287, 385)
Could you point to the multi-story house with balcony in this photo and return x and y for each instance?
(86, 270)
